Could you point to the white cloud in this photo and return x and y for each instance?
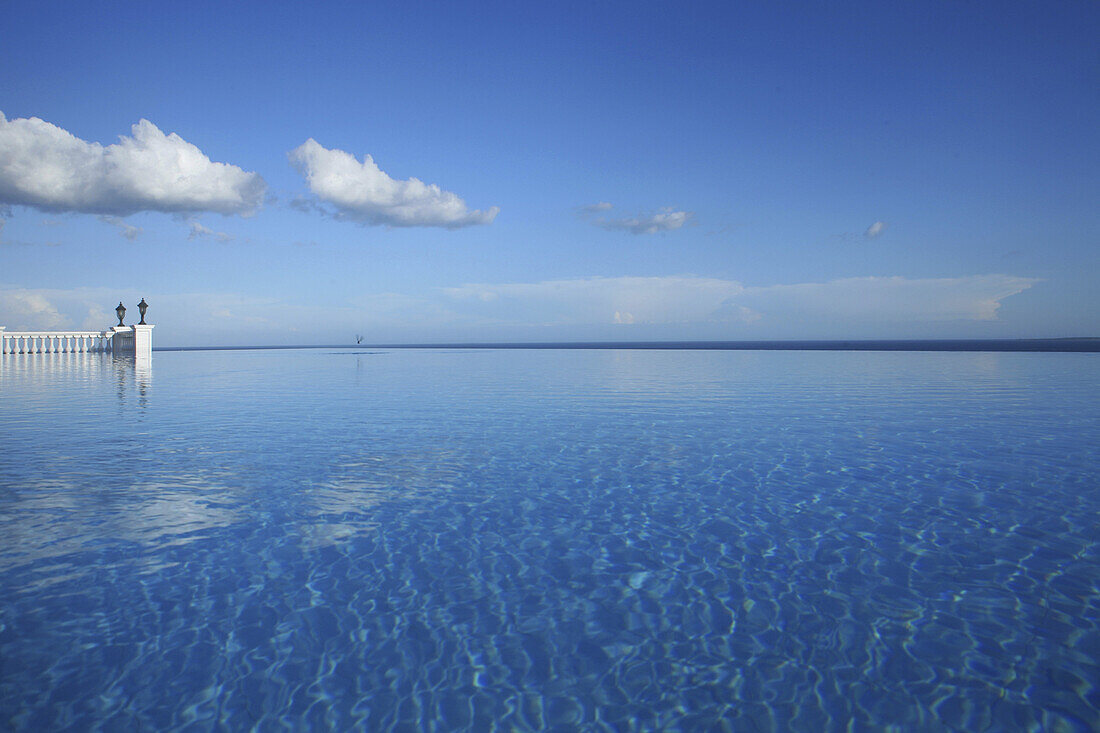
(885, 299)
(362, 192)
(875, 229)
(593, 208)
(97, 318)
(44, 166)
(129, 231)
(638, 300)
(805, 309)
(665, 220)
(198, 231)
(28, 310)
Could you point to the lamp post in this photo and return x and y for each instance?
(120, 311)
(142, 307)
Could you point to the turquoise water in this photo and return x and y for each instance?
(550, 540)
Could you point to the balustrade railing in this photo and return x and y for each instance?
(54, 342)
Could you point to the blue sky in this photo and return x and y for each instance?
(619, 171)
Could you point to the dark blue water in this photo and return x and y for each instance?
(570, 540)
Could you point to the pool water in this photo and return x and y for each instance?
(550, 540)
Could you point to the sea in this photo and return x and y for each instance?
(562, 539)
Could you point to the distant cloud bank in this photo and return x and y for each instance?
(623, 300)
(886, 299)
(676, 307)
(48, 168)
(689, 299)
(364, 193)
(664, 220)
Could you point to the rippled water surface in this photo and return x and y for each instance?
(569, 540)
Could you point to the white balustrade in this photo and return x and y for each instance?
(55, 342)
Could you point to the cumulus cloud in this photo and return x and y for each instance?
(664, 220)
(364, 193)
(875, 229)
(44, 166)
(198, 231)
(129, 231)
(28, 310)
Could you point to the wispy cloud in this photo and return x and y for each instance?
(664, 220)
(46, 167)
(362, 192)
(198, 231)
(126, 229)
(875, 229)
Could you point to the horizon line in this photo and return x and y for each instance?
(1077, 344)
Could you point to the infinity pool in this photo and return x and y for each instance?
(558, 539)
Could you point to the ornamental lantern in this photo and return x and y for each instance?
(120, 311)
(142, 307)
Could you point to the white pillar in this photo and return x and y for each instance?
(143, 341)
